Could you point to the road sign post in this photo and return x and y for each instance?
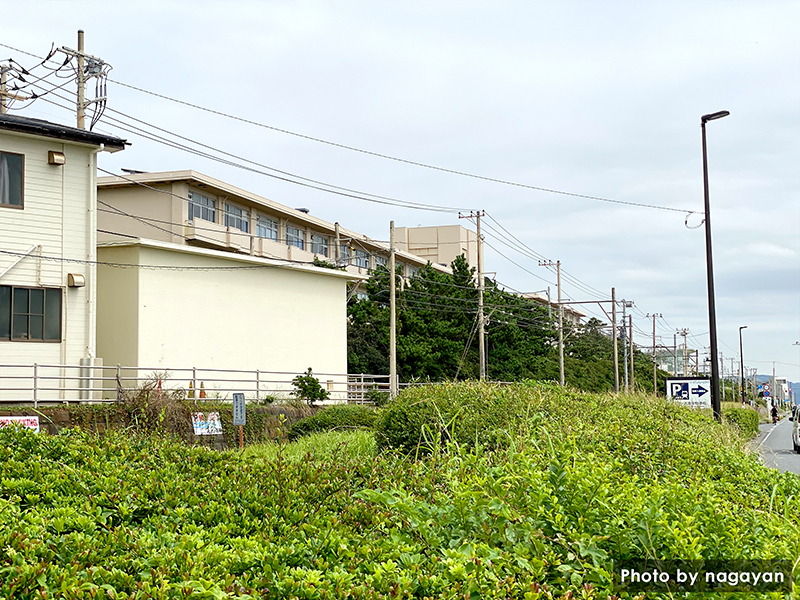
(239, 416)
(691, 391)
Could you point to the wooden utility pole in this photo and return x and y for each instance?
(392, 317)
(614, 328)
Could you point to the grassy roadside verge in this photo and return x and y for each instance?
(524, 491)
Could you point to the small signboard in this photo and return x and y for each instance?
(206, 424)
(31, 423)
(691, 391)
(239, 416)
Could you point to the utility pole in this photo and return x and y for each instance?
(614, 329)
(5, 95)
(88, 66)
(625, 305)
(392, 317)
(481, 319)
(81, 81)
(684, 332)
(630, 320)
(655, 368)
(337, 250)
(557, 265)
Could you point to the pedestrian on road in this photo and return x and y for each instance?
(774, 414)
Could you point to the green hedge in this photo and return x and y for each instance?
(426, 416)
(337, 417)
(746, 419)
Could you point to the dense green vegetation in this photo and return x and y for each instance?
(339, 417)
(536, 504)
(436, 322)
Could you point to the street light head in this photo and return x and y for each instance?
(712, 116)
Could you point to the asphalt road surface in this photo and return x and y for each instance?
(775, 445)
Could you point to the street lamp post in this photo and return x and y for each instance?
(741, 358)
(712, 310)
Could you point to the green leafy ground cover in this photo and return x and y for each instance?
(566, 483)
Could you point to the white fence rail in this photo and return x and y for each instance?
(46, 383)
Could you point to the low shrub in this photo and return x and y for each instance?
(746, 419)
(424, 417)
(338, 417)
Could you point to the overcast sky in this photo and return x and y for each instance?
(595, 98)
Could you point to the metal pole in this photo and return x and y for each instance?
(392, 317)
(712, 308)
(560, 329)
(81, 82)
(481, 323)
(337, 250)
(630, 339)
(614, 328)
(625, 343)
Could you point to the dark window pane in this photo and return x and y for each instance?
(36, 324)
(52, 315)
(11, 181)
(5, 311)
(37, 301)
(19, 330)
(20, 301)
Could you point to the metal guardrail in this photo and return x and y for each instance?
(47, 383)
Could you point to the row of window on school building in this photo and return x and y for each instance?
(237, 217)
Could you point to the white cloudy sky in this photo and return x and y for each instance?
(595, 98)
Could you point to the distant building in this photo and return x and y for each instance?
(192, 209)
(572, 316)
(440, 245)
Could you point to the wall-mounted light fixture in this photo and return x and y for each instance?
(75, 280)
(56, 158)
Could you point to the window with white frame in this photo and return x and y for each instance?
(413, 271)
(12, 167)
(362, 259)
(202, 207)
(295, 237)
(267, 228)
(30, 314)
(344, 252)
(237, 217)
(319, 244)
(381, 261)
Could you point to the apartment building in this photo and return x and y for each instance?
(48, 231)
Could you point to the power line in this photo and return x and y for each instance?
(386, 156)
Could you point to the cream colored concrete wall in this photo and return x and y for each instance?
(118, 306)
(271, 319)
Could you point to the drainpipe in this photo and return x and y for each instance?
(91, 348)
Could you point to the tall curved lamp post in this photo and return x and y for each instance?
(712, 310)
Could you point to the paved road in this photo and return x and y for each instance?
(775, 444)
